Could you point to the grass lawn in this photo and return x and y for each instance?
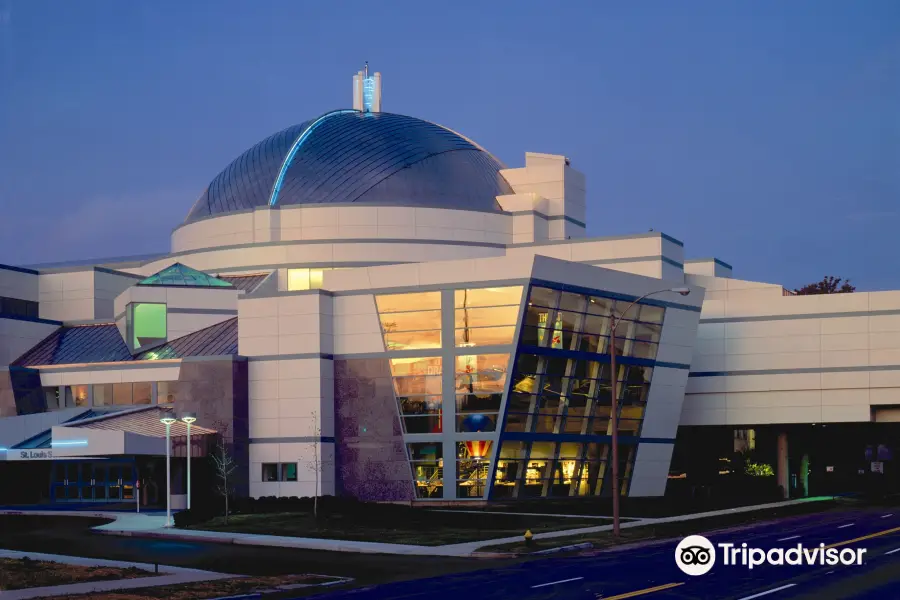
(217, 589)
(669, 530)
(21, 573)
(412, 526)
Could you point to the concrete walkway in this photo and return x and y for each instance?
(140, 525)
(168, 576)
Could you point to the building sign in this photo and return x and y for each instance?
(31, 455)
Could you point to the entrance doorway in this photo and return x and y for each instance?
(92, 481)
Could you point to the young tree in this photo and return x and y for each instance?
(224, 466)
(317, 462)
(828, 285)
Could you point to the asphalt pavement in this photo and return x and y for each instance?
(650, 571)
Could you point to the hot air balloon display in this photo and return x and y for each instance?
(477, 423)
(478, 449)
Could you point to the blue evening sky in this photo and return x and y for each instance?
(764, 133)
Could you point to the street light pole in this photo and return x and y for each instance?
(614, 408)
(167, 419)
(189, 418)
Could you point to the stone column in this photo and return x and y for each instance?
(782, 472)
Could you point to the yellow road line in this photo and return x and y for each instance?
(634, 594)
(865, 537)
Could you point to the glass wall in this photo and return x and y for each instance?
(473, 463)
(109, 394)
(574, 396)
(486, 316)
(480, 382)
(563, 320)
(166, 392)
(410, 321)
(427, 462)
(417, 387)
(528, 469)
(562, 385)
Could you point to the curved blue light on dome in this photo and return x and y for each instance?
(350, 157)
(279, 181)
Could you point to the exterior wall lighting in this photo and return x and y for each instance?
(187, 419)
(167, 419)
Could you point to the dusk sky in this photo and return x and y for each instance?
(764, 133)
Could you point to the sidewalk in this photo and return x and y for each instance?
(141, 525)
(168, 576)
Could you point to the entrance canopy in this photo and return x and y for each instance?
(136, 432)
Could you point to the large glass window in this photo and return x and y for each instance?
(51, 398)
(305, 279)
(122, 393)
(166, 392)
(486, 316)
(410, 321)
(568, 395)
(142, 393)
(570, 321)
(510, 468)
(417, 385)
(531, 469)
(480, 382)
(427, 462)
(146, 324)
(472, 467)
(103, 394)
(16, 307)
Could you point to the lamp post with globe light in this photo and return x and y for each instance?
(187, 419)
(167, 419)
(614, 409)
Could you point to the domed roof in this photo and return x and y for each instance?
(349, 156)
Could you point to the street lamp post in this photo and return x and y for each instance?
(167, 419)
(614, 409)
(189, 418)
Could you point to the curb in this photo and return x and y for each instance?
(582, 546)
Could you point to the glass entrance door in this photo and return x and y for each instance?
(92, 481)
(66, 482)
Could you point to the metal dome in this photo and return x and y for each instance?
(349, 156)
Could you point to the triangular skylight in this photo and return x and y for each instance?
(184, 276)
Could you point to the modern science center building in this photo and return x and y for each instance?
(373, 305)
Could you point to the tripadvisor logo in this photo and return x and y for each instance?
(696, 555)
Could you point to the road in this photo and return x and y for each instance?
(650, 571)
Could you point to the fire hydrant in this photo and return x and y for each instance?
(528, 537)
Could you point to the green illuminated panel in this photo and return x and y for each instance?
(148, 324)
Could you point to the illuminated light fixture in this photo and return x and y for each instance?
(187, 419)
(69, 443)
(295, 147)
(167, 419)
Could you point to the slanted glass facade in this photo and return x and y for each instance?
(449, 353)
(555, 438)
(503, 398)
